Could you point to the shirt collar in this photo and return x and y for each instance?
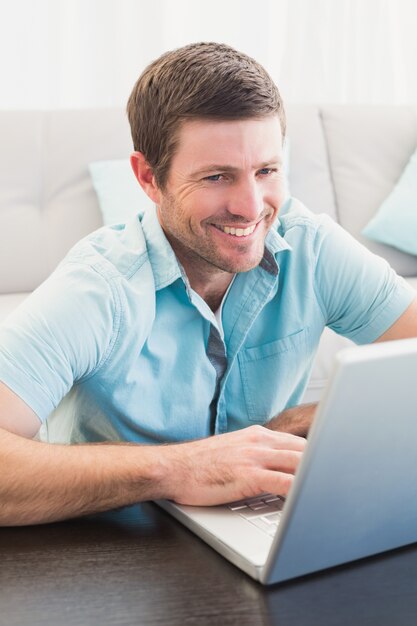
(274, 242)
(164, 263)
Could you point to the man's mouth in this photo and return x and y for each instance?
(237, 232)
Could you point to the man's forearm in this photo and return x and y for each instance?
(296, 420)
(44, 482)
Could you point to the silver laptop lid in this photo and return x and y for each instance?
(354, 493)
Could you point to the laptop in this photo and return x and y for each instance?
(354, 492)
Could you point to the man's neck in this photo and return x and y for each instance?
(211, 291)
(209, 281)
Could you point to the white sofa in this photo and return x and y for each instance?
(344, 160)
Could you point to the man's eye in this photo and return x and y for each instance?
(214, 178)
(266, 170)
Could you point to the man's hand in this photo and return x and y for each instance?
(232, 466)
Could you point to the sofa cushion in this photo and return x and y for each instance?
(309, 174)
(119, 194)
(47, 201)
(369, 148)
(395, 223)
(22, 255)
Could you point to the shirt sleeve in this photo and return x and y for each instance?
(59, 335)
(360, 294)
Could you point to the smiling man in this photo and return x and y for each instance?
(223, 194)
(195, 324)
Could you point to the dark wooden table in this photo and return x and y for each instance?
(140, 566)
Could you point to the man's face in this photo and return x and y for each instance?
(223, 193)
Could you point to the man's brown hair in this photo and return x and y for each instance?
(201, 80)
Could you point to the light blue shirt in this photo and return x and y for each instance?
(115, 345)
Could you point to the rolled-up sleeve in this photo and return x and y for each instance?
(59, 335)
(360, 294)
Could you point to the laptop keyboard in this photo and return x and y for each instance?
(262, 511)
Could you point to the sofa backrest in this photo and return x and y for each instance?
(47, 201)
(344, 160)
(368, 148)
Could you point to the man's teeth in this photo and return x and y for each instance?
(238, 232)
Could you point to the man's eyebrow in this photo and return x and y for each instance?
(219, 167)
(214, 167)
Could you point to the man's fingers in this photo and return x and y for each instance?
(290, 442)
(282, 460)
(283, 441)
(278, 483)
(260, 435)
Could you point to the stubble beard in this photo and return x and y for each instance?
(206, 256)
(195, 251)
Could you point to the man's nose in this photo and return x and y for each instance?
(246, 201)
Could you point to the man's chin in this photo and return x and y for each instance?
(237, 266)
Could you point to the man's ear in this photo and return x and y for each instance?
(144, 174)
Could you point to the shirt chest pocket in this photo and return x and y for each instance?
(272, 373)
